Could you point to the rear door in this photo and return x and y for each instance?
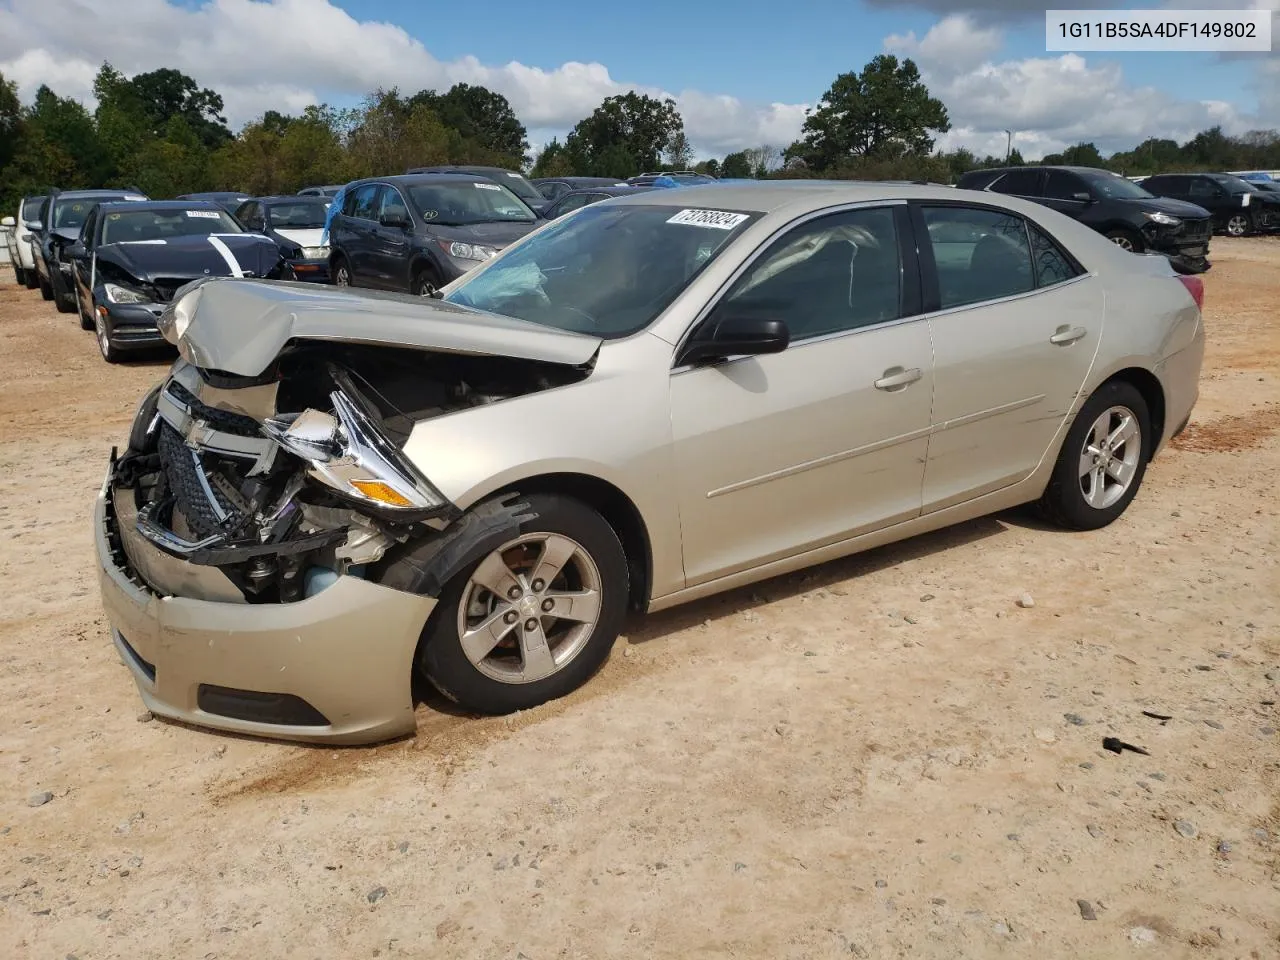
(1015, 324)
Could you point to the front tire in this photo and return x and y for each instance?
(46, 291)
(19, 276)
(102, 333)
(341, 272)
(1102, 461)
(1129, 240)
(534, 619)
(86, 319)
(1238, 225)
(425, 282)
(60, 295)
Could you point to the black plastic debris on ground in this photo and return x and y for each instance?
(1116, 745)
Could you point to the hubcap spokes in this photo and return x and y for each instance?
(1109, 460)
(529, 608)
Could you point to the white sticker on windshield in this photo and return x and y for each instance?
(716, 219)
(487, 186)
(203, 214)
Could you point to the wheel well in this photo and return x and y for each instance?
(618, 511)
(420, 265)
(1118, 226)
(1146, 383)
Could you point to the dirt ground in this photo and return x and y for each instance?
(884, 757)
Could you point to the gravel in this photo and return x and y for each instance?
(1086, 910)
(376, 894)
(1186, 828)
(1026, 601)
(39, 799)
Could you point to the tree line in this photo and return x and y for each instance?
(165, 135)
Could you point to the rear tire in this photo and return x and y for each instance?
(1094, 481)
(1126, 239)
(32, 278)
(46, 291)
(509, 677)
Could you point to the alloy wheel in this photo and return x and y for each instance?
(1238, 225)
(1110, 457)
(1123, 242)
(342, 277)
(104, 339)
(529, 608)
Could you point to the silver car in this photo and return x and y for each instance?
(648, 401)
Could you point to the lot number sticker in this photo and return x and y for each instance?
(203, 214)
(717, 219)
(487, 186)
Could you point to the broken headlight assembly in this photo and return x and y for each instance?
(351, 456)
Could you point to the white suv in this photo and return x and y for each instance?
(20, 242)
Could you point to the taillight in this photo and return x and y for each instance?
(1195, 287)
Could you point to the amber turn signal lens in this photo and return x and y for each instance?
(377, 490)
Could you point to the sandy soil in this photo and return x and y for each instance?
(884, 757)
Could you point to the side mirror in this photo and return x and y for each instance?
(734, 337)
(391, 220)
(1082, 197)
(35, 226)
(8, 222)
(77, 250)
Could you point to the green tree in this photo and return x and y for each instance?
(552, 161)
(77, 156)
(737, 166)
(10, 120)
(679, 154)
(1015, 158)
(483, 119)
(1080, 155)
(167, 93)
(624, 136)
(885, 111)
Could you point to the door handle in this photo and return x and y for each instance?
(1065, 335)
(895, 378)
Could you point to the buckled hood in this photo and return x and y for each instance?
(241, 326)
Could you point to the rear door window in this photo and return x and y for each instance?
(1022, 183)
(979, 254)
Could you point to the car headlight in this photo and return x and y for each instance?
(349, 454)
(468, 251)
(315, 253)
(1164, 219)
(119, 294)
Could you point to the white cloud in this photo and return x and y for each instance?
(285, 54)
(1050, 102)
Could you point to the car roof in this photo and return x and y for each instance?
(609, 190)
(90, 194)
(765, 196)
(161, 205)
(415, 179)
(213, 195)
(287, 198)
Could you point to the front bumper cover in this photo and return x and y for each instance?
(333, 668)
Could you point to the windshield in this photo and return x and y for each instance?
(1118, 188)
(298, 213)
(517, 184)
(71, 213)
(133, 225)
(607, 270)
(460, 204)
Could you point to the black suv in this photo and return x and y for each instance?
(1117, 208)
(418, 232)
(1237, 206)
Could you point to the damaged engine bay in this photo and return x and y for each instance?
(289, 479)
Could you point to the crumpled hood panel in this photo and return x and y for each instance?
(240, 326)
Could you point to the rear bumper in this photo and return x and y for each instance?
(334, 668)
(1179, 374)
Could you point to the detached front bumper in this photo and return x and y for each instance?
(333, 668)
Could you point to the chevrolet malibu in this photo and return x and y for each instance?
(653, 399)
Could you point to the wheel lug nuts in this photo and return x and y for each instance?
(511, 616)
(531, 624)
(537, 586)
(513, 593)
(547, 605)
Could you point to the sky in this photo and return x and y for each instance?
(742, 75)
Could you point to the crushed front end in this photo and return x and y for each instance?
(1185, 242)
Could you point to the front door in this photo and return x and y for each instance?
(1015, 334)
(390, 254)
(779, 454)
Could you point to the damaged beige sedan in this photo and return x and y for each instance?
(651, 400)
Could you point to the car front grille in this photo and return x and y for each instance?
(1196, 229)
(224, 420)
